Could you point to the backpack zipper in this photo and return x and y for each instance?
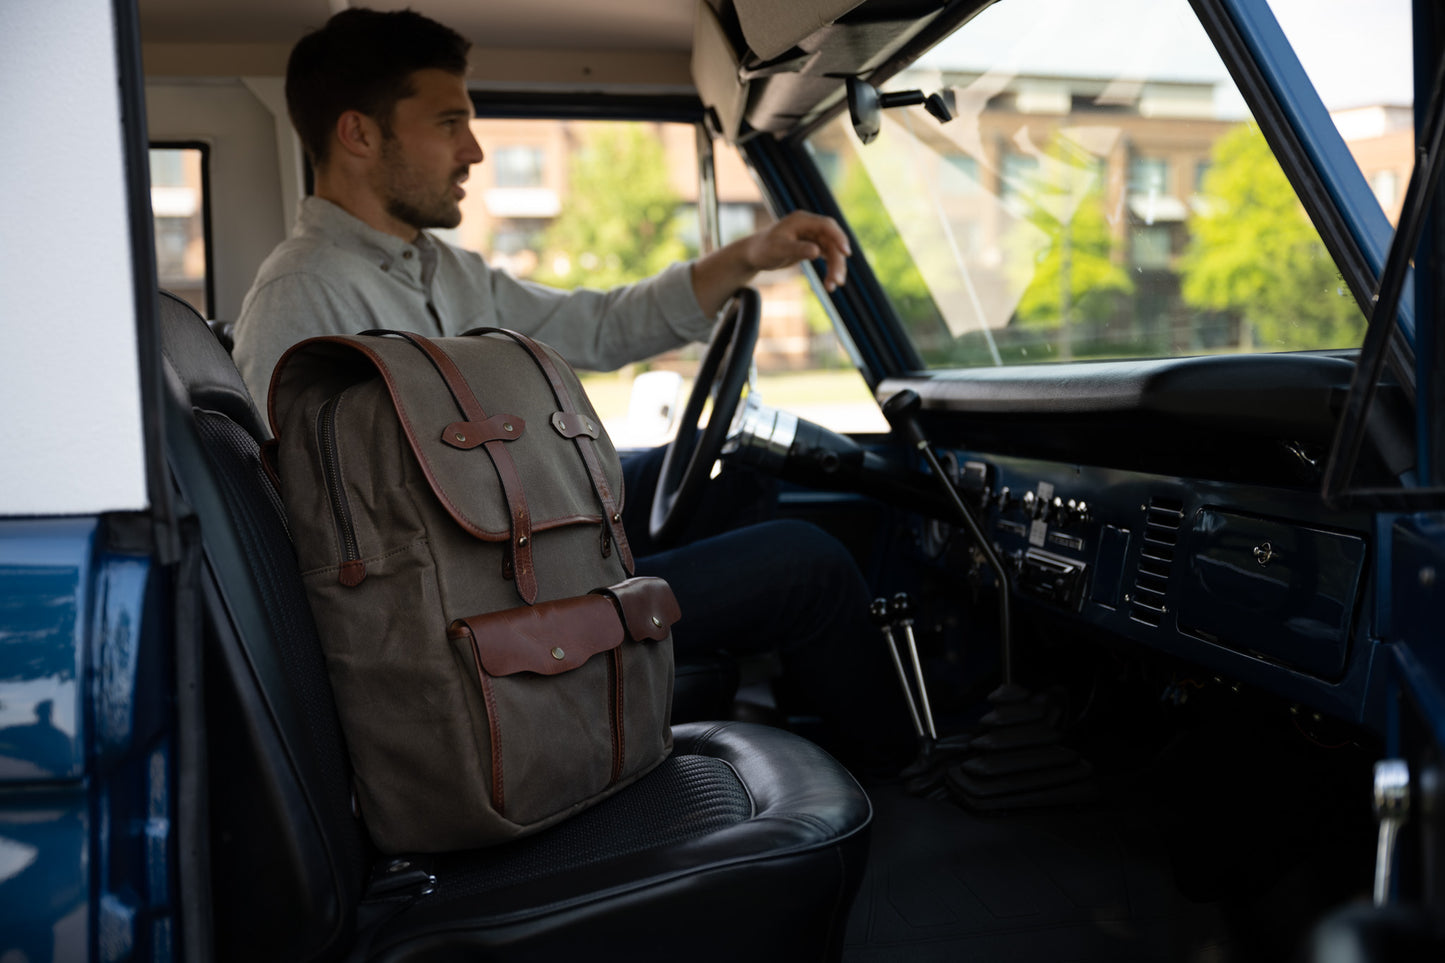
(353, 569)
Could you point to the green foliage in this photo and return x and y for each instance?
(1254, 253)
(1064, 247)
(619, 225)
(889, 257)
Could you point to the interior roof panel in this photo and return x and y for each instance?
(640, 25)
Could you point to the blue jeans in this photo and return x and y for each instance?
(783, 586)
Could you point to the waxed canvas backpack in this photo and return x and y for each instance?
(456, 509)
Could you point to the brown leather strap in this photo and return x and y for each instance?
(467, 435)
(611, 514)
(569, 424)
(520, 550)
(494, 732)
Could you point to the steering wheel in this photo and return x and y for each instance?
(689, 458)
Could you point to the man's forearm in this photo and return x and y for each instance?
(715, 276)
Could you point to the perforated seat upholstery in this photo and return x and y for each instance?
(747, 844)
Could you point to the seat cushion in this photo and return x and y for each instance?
(746, 825)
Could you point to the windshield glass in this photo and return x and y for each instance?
(1102, 191)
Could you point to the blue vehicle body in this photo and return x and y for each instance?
(96, 761)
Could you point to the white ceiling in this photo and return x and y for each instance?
(652, 26)
(580, 44)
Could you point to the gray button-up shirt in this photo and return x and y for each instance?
(337, 275)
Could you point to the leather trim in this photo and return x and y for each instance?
(611, 507)
(647, 607)
(570, 424)
(494, 728)
(352, 572)
(520, 551)
(354, 343)
(467, 435)
(549, 638)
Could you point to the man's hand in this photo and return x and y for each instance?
(801, 236)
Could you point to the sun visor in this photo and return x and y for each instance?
(716, 71)
(773, 28)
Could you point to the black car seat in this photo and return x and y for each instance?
(748, 843)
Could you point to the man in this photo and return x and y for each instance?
(379, 101)
(390, 160)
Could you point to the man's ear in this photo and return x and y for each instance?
(357, 134)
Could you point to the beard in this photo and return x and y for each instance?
(413, 198)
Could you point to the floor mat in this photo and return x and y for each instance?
(1085, 884)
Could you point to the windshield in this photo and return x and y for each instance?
(1102, 191)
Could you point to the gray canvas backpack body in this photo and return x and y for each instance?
(456, 509)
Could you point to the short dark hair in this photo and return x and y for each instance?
(363, 60)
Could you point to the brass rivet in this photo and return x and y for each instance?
(617, 516)
(558, 654)
(459, 436)
(522, 540)
(589, 427)
(657, 621)
(507, 426)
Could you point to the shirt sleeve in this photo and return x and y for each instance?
(603, 330)
(285, 310)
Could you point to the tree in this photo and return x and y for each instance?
(619, 225)
(1254, 254)
(1061, 252)
(888, 255)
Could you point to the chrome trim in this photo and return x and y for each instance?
(761, 436)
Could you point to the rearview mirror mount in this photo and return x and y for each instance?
(866, 105)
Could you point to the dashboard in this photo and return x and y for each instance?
(1173, 505)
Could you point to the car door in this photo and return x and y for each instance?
(90, 554)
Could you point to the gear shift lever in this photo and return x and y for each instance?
(901, 410)
(1014, 760)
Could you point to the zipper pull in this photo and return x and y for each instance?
(352, 572)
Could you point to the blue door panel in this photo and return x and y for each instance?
(86, 804)
(45, 570)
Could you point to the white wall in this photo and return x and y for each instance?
(249, 213)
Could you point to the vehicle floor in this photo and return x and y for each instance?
(1076, 884)
(1205, 844)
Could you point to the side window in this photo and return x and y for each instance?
(603, 203)
(179, 208)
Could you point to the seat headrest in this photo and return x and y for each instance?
(200, 364)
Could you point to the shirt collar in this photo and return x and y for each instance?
(387, 251)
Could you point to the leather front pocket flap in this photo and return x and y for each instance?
(647, 605)
(549, 638)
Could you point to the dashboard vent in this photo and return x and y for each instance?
(1162, 521)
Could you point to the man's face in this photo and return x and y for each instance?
(426, 155)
